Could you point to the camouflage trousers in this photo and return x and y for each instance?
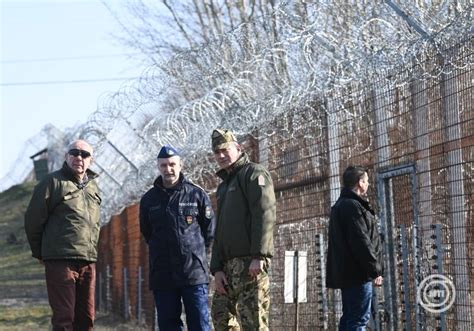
(246, 305)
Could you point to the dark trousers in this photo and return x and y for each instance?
(356, 303)
(71, 290)
(195, 300)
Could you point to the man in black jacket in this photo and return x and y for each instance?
(177, 221)
(354, 251)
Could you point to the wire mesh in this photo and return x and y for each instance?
(381, 84)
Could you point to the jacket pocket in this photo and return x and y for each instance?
(200, 261)
(155, 214)
(96, 198)
(71, 195)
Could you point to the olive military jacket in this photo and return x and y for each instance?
(246, 213)
(62, 219)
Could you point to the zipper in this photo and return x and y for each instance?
(171, 200)
(86, 202)
(222, 200)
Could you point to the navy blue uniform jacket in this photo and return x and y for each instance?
(178, 225)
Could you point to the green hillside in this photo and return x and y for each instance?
(23, 297)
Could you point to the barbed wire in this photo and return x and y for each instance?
(249, 76)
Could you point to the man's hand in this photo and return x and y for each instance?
(378, 281)
(256, 267)
(221, 282)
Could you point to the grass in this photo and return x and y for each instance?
(17, 267)
(23, 297)
(16, 263)
(38, 317)
(13, 203)
(28, 317)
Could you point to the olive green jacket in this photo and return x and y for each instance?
(62, 219)
(246, 213)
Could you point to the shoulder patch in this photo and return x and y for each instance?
(261, 180)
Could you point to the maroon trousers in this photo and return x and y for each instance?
(71, 291)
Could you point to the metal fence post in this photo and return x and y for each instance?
(405, 288)
(438, 257)
(323, 301)
(126, 307)
(108, 294)
(296, 290)
(139, 296)
(99, 291)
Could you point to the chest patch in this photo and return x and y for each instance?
(188, 204)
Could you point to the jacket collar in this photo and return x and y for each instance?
(158, 183)
(348, 193)
(87, 177)
(235, 167)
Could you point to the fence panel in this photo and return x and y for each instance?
(417, 141)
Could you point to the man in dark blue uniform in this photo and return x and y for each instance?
(177, 221)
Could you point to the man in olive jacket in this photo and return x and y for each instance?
(243, 243)
(62, 226)
(354, 258)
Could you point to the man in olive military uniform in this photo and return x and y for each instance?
(243, 243)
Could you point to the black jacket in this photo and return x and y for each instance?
(178, 225)
(354, 248)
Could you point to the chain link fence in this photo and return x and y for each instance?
(417, 141)
(381, 84)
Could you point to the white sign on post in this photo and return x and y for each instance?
(295, 264)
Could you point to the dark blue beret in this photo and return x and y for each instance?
(166, 152)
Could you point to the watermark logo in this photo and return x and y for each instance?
(436, 293)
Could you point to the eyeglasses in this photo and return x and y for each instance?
(77, 152)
